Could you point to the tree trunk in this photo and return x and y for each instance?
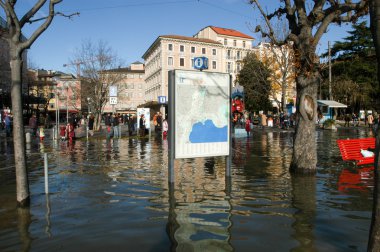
(374, 236)
(22, 184)
(304, 159)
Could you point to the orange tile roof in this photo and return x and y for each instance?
(191, 39)
(230, 32)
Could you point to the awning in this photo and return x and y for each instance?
(332, 104)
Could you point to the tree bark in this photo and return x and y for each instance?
(374, 236)
(304, 159)
(22, 185)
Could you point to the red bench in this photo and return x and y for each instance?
(350, 150)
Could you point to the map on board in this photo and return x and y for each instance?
(202, 114)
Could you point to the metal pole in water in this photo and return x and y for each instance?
(46, 173)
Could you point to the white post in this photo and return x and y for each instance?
(87, 132)
(46, 173)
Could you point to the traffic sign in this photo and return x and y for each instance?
(113, 90)
(200, 63)
(113, 100)
(162, 99)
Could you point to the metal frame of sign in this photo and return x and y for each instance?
(172, 121)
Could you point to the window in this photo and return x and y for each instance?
(170, 47)
(181, 62)
(182, 48)
(214, 51)
(131, 85)
(234, 42)
(238, 67)
(238, 55)
(225, 41)
(213, 64)
(243, 44)
(228, 54)
(170, 61)
(140, 86)
(229, 67)
(193, 49)
(203, 50)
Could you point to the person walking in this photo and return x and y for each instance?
(41, 132)
(8, 124)
(247, 126)
(370, 120)
(115, 126)
(165, 128)
(33, 124)
(142, 125)
(91, 121)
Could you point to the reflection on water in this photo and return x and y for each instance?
(113, 195)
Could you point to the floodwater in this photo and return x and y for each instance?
(114, 196)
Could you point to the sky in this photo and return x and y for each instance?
(129, 27)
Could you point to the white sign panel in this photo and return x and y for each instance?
(202, 114)
(113, 100)
(113, 90)
(146, 113)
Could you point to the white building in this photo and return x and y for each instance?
(224, 48)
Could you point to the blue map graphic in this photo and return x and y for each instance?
(207, 132)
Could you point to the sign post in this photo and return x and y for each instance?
(113, 97)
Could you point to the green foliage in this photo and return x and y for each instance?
(354, 74)
(254, 77)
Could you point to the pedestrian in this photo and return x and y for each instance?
(8, 124)
(91, 121)
(70, 131)
(159, 122)
(115, 126)
(142, 125)
(131, 125)
(41, 132)
(63, 133)
(33, 124)
(270, 121)
(347, 119)
(370, 120)
(247, 125)
(165, 128)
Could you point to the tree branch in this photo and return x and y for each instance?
(26, 44)
(32, 12)
(55, 14)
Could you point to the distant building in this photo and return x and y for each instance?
(131, 89)
(48, 85)
(224, 49)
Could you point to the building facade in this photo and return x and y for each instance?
(130, 89)
(224, 48)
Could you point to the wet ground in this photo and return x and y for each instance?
(114, 196)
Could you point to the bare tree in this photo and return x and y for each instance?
(17, 45)
(97, 62)
(374, 238)
(280, 60)
(308, 21)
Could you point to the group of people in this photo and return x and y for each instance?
(160, 125)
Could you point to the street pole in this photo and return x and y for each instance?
(67, 104)
(330, 92)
